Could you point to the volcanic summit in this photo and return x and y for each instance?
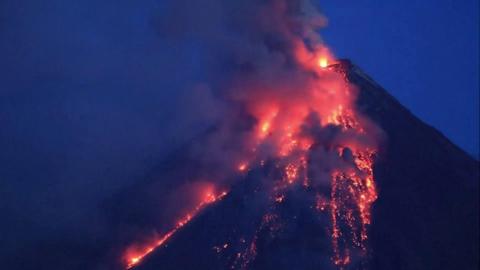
(423, 209)
(214, 135)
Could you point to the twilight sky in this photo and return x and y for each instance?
(89, 95)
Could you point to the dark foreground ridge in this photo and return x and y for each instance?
(426, 215)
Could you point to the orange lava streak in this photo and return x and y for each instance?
(352, 195)
(134, 258)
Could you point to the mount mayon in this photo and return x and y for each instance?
(425, 216)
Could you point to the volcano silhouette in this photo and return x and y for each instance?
(425, 217)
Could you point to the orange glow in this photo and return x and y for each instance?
(323, 62)
(359, 187)
(265, 127)
(219, 249)
(283, 117)
(285, 132)
(136, 253)
(242, 167)
(291, 172)
(322, 203)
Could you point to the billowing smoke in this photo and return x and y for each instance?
(275, 96)
(241, 84)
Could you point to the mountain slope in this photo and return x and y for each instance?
(425, 217)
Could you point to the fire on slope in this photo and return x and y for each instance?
(286, 103)
(136, 253)
(321, 117)
(305, 131)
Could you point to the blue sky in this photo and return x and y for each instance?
(425, 53)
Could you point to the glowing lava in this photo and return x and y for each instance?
(352, 195)
(294, 124)
(302, 118)
(314, 127)
(242, 167)
(323, 62)
(136, 254)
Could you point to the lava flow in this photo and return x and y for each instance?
(135, 254)
(316, 138)
(317, 128)
(301, 116)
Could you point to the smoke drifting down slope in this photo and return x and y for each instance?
(284, 106)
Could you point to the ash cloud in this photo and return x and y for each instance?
(110, 89)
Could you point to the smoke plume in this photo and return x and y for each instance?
(226, 86)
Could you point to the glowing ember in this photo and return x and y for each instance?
(242, 167)
(265, 127)
(323, 62)
(135, 255)
(291, 172)
(280, 198)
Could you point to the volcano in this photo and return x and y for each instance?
(424, 212)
